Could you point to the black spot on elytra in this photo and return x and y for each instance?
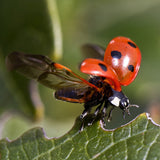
(131, 68)
(132, 44)
(103, 67)
(116, 54)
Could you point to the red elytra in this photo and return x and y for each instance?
(97, 67)
(122, 59)
(123, 55)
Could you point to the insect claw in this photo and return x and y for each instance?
(128, 112)
(110, 115)
(109, 118)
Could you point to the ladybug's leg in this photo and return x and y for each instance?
(104, 112)
(96, 113)
(110, 114)
(124, 115)
(98, 109)
(83, 115)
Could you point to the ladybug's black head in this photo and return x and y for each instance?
(118, 99)
(124, 103)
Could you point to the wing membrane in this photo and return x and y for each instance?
(48, 73)
(59, 79)
(32, 66)
(93, 51)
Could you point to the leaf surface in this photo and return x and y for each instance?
(139, 139)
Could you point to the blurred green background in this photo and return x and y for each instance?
(58, 29)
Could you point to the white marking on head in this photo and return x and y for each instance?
(125, 103)
(116, 101)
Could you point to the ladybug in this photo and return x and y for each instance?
(108, 70)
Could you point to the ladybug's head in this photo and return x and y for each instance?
(124, 103)
(118, 99)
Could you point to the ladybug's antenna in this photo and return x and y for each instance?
(133, 105)
(130, 105)
(127, 109)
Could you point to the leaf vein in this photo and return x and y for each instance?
(52, 148)
(69, 154)
(151, 144)
(23, 149)
(7, 155)
(141, 147)
(114, 143)
(126, 157)
(86, 144)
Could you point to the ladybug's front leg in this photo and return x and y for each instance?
(96, 113)
(85, 112)
(110, 114)
(104, 112)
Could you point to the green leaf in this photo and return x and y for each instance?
(139, 139)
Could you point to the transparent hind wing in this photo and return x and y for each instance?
(48, 73)
(93, 51)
